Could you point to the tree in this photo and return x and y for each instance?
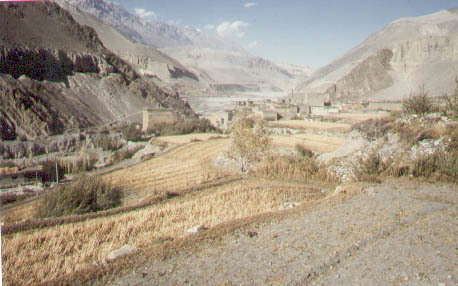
(249, 143)
(419, 103)
(452, 102)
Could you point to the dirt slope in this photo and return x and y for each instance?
(397, 233)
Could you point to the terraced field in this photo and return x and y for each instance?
(312, 125)
(186, 166)
(74, 247)
(315, 142)
(53, 252)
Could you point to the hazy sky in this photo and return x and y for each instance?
(308, 32)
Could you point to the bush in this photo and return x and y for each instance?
(288, 167)
(131, 133)
(84, 162)
(123, 154)
(108, 143)
(452, 103)
(419, 104)
(85, 194)
(304, 151)
(371, 167)
(185, 127)
(442, 164)
(374, 128)
(49, 171)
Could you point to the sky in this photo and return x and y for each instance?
(305, 32)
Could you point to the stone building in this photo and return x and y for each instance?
(270, 115)
(152, 116)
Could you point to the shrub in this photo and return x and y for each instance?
(49, 171)
(451, 132)
(124, 154)
(185, 127)
(84, 162)
(452, 102)
(442, 164)
(85, 194)
(108, 143)
(419, 104)
(12, 198)
(304, 151)
(131, 133)
(288, 167)
(374, 128)
(371, 167)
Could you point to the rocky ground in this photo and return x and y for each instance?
(395, 233)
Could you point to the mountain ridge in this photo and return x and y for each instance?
(186, 43)
(50, 82)
(399, 37)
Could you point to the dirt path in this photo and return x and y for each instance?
(391, 234)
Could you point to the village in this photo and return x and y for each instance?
(310, 106)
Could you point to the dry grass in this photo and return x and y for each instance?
(312, 125)
(51, 253)
(318, 143)
(358, 117)
(183, 139)
(183, 167)
(20, 212)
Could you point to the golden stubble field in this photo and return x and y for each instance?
(40, 255)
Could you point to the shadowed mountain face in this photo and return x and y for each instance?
(56, 74)
(147, 60)
(213, 60)
(395, 61)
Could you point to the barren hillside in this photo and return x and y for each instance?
(146, 59)
(212, 59)
(56, 74)
(393, 62)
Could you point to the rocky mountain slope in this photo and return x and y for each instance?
(395, 61)
(215, 61)
(56, 74)
(145, 59)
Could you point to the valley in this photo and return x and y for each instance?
(135, 151)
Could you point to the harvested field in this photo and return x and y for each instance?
(396, 233)
(312, 125)
(75, 246)
(21, 211)
(358, 117)
(182, 139)
(183, 167)
(318, 143)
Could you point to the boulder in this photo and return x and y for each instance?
(123, 251)
(196, 229)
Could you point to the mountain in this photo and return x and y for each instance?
(395, 61)
(56, 74)
(145, 59)
(215, 61)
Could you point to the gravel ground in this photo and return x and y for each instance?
(396, 233)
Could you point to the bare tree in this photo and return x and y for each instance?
(249, 143)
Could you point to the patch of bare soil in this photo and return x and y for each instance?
(396, 233)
